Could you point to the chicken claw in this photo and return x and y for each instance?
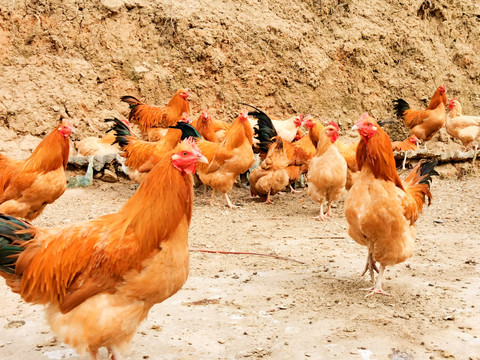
(376, 291)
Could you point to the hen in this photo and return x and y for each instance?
(424, 124)
(152, 119)
(228, 159)
(380, 208)
(286, 129)
(406, 145)
(93, 145)
(463, 127)
(327, 173)
(141, 156)
(98, 279)
(271, 176)
(27, 186)
(211, 130)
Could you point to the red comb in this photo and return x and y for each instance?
(334, 125)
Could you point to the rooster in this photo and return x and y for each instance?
(424, 124)
(27, 186)
(141, 156)
(228, 159)
(150, 118)
(271, 176)
(380, 208)
(327, 173)
(98, 279)
(463, 127)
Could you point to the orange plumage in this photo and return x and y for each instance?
(149, 117)
(380, 208)
(98, 279)
(141, 156)
(27, 186)
(92, 145)
(205, 126)
(228, 159)
(424, 124)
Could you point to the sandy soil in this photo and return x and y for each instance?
(310, 306)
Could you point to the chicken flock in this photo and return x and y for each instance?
(120, 265)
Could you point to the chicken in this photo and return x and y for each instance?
(409, 143)
(286, 129)
(27, 186)
(298, 153)
(150, 118)
(227, 159)
(424, 124)
(463, 127)
(380, 208)
(211, 130)
(141, 156)
(93, 145)
(327, 173)
(348, 152)
(98, 279)
(270, 177)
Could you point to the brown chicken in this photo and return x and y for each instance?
(424, 124)
(93, 145)
(380, 208)
(463, 127)
(406, 145)
(98, 279)
(327, 173)
(211, 130)
(227, 159)
(141, 156)
(271, 176)
(27, 186)
(150, 118)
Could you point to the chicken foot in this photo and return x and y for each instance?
(377, 288)
(292, 190)
(370, 266)
(229, 203)
(268, 201)
(323, 216)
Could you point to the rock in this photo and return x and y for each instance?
(446, 171)
(15, 324)
(113, 5)
(109, 176)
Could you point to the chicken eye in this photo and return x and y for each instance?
(185, 153)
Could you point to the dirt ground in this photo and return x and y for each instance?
(309, 306)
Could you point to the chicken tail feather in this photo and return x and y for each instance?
(122, 132)
(264, 131)
(131, 101)
(13, 233)
(400, 106)
(417, 186)
(187, 130)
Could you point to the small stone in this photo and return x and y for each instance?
(109, 176)
(15, 324)
(113, 5)
(447, 354)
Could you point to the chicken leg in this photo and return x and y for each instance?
(114, 355)
(94, 355)
(475, 150)
(268, 198)
(377, 288)
(229, 203)
(370, 266)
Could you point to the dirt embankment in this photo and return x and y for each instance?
(334, 59)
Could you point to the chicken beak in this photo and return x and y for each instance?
(355, 127)
(203, 159)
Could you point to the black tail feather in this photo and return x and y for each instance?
(187, 130)
(131, 101)
(13, 233)
(264, 131)
(121, 132)
(400, 106)
(427, 169)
